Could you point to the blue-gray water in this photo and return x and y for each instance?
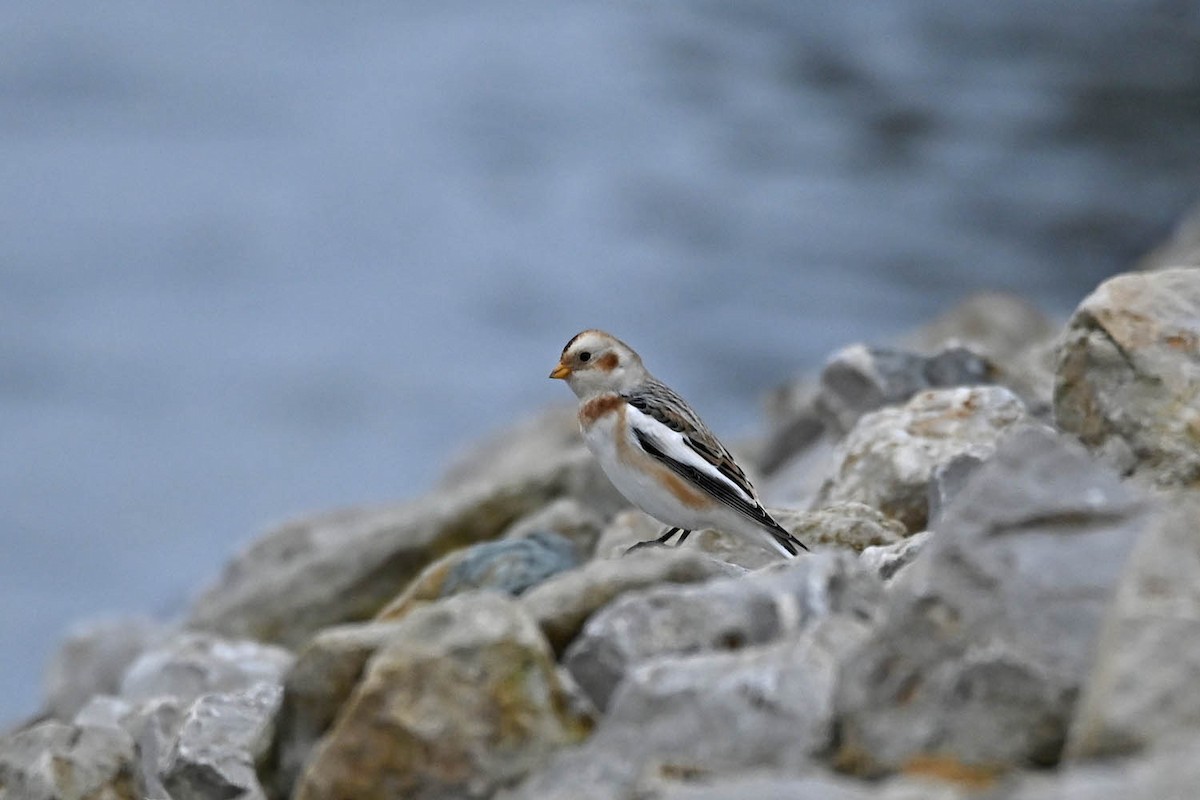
(263, 258)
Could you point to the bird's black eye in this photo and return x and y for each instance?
(585, 356)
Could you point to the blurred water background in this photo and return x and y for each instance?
(263, 258)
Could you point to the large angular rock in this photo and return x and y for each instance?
(561, 605)
(1142, 689)
(1128, 382)
(323, 677)
(218, 742)
(92, 659)
(990, 633)
(728, 614)
(56, 761)
(889, 458)
(465, 700)
(768, 707)
(860, 378)
(193, 664)
(344, 566)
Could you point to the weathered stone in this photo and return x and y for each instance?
(104, 711)
(218, 743)
(887, 560)
(990, 633)
(561, 605)
(727, 614)
(1143, 687)
(193, 664)
(859, 379)
(345, 566)
(945, 482)
(1128, 382)
(1166, 773)
(888, 459)
(92, 659)
(508, 565)
(566, 517)
(464, 700)
(850, 526)
(712, 713)
(56, 761)
(154, 726)
(316, 687)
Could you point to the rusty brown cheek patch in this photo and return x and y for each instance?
(608, 362)
(597, 407)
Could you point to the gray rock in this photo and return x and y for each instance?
(512, 565)
(218, 743)
(1142, 689)
(56, 761)
(990, 633)
(193, 664)
(889, 458)
(464, 700)
(566, 517)
(1128, 380)
(104, 711)
(846, 526)
(887, 560)
(946, 481)
(344, 566)
(729, 614)
(315, 689)
(714, 713)
(154, 726)
(763, 787)
(561, 605)
(1170, 772)
(859, 379)
(92, 659)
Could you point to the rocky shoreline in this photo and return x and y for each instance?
(1001, 602)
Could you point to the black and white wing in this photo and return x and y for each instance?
(671, 432)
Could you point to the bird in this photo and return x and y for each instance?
(657, 451)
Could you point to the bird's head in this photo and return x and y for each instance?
(594, 362)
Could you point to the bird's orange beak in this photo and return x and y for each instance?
(562, 371)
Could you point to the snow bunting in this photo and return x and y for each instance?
(655, 449)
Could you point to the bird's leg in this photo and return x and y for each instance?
(683, 536)
(666, 537)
